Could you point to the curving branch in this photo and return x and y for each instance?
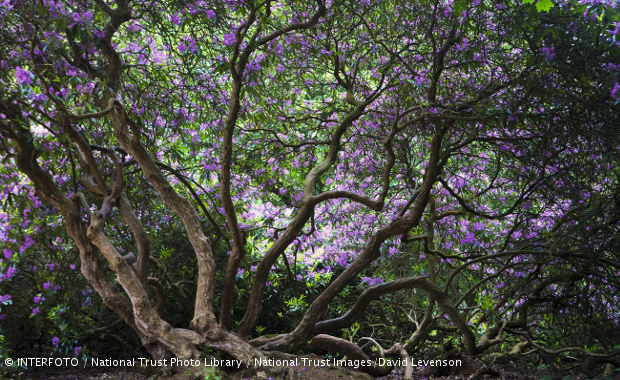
(350, 350)
(161, 296)
(82, 198)
(370, 252)
(204, 318)
(470, 209)
(173, 285)
(94, 115)
(532, 342)
(396, 350)
(46, 189)
(375, 292)
(340, 194)
(201, 204)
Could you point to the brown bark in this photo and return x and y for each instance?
(351, 350)
(161, 296)
(370, 253)
(426, 325)
(203, 313)
(372, 294)
(308, 201)
(143, 243)
(147, 321)
(46, 189)
(237, 64)
(489, 339)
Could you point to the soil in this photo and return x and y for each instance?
(307, 372)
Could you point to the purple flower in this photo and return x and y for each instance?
(7, 253)
(77, 350)
(549, 52)
(10, 272)
(35, 311)
(72, 266)
(469, 238)
(210, 13)
(5, 298)
(229, 39)
(22, 76)
(372, 281)
(47, 285)
(615, 90)
(38, 299)
(55, 341)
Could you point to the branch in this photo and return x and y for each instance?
(375, 292)
(339, 194)
(84, 203)
(299, 26)
(161, 297)
(350, 350)
(483, 215)
(94, 115)
(526, 334)
(201, 204)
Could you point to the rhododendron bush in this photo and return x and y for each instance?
(182, 178)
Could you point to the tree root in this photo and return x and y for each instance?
(351, 350)
(396, 350)
(484, 371)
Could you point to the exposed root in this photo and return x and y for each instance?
(351, 350)
(396, 350)
(484, 371)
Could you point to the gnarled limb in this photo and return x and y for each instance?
(374, 293)
(531, 341)
(161, 296)
(487, 339)
(46, 189)
(143, 244)
(351, 350)
(147, 320)
(370, 253)
(396, 350)
(254, 308)
(204, 318)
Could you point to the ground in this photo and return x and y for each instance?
(300, 372)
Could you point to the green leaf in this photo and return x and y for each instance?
(544, 5)
(42, 10)
(76, 31)
(528, 1)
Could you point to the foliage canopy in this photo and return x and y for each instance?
(219, 169)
